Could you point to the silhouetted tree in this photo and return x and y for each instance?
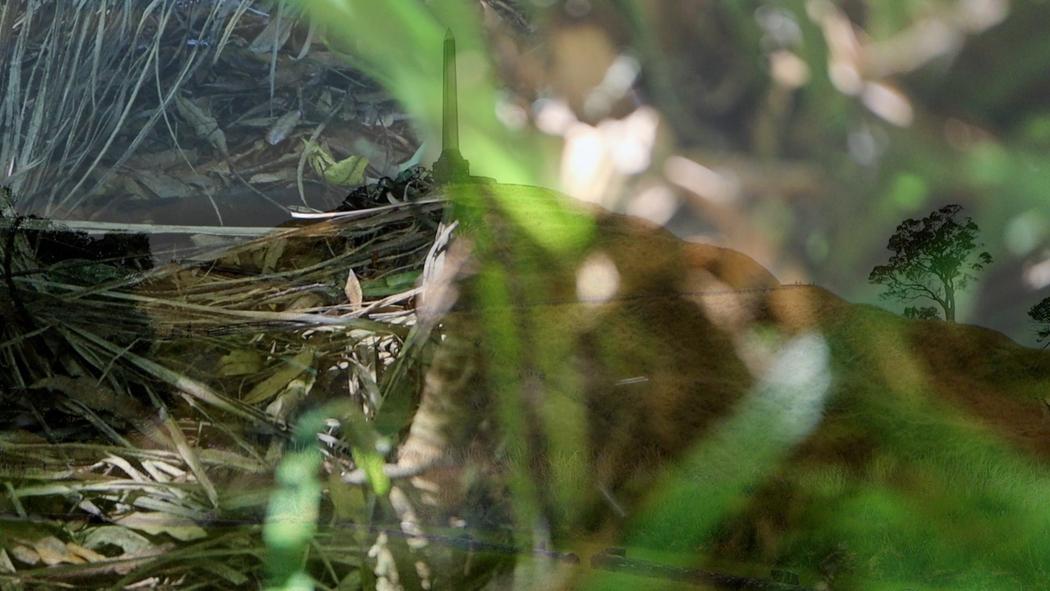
(932, 259)
(1041, 314)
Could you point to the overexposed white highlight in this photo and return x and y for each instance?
(720, 188)
(597, 279)
(595, 158)
(657, 204)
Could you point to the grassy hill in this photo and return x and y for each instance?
(927, 468)
(733, 423)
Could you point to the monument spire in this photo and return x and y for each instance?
(450, 166)
(450, 121)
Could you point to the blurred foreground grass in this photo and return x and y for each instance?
(869, 452)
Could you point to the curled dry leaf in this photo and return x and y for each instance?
(352, 289)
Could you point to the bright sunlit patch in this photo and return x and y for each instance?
(619, 78)
(779, 25)
(553, 117)
(511, 114)
(1037, 276)
(585, 169)
(597, 279)
(1025, 232)
(788, 69)
(631, 140)
(845, 77)
(843, 46)
(656, 204)
(701, 180)
(595, 157)
(863, 147)
(888, 103)
(982, 14)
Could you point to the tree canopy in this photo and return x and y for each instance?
(933, 258)
(1041, 314)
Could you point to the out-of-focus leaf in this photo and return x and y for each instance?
(368, 448)
(349, 501)
(351, 582)
(291, 516)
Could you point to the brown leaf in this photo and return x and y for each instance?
(51, 550)
(352, 289)
(85, 553)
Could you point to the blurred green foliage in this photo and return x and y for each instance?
(935, 500)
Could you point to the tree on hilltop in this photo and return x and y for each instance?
(933, 259)
(1041, 314)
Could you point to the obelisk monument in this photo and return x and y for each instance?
(450, 167)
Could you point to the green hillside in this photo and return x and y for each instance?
(926, 470)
